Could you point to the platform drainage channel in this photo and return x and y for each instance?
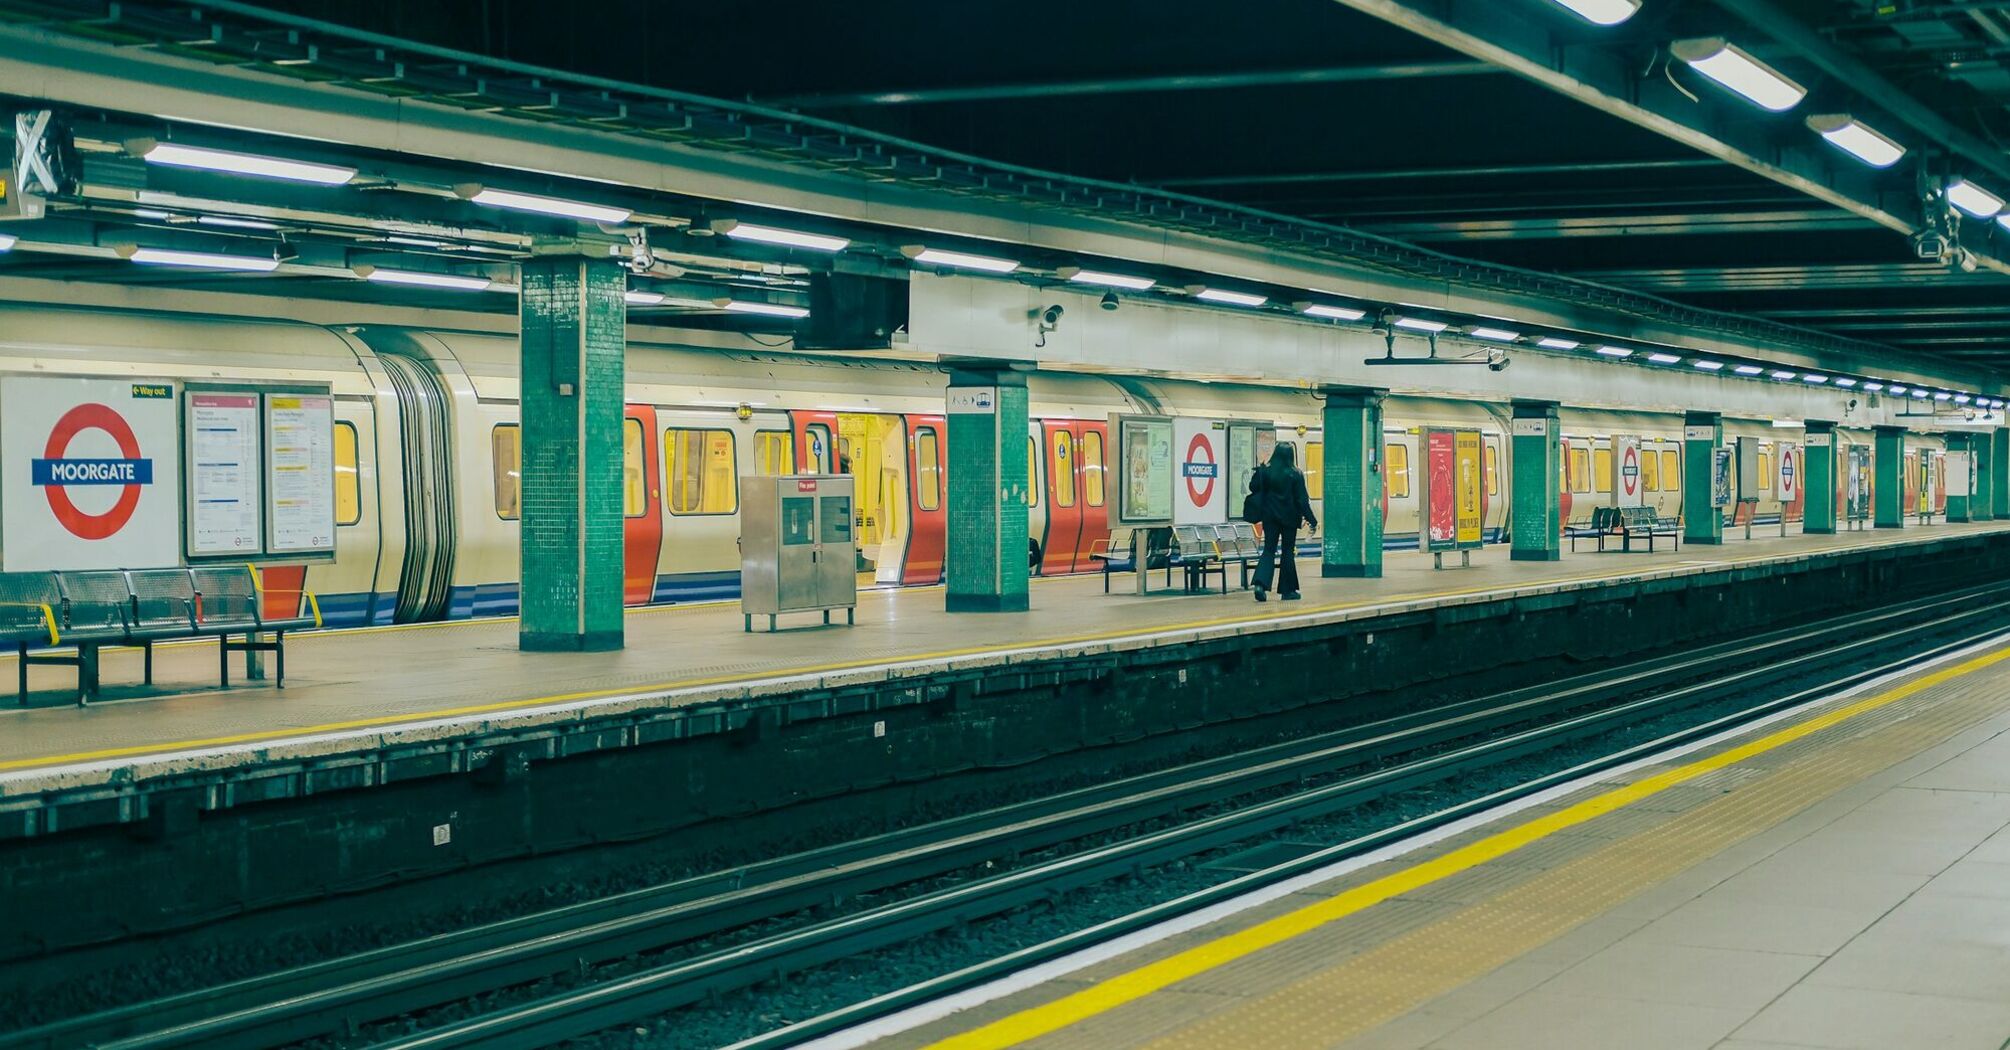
(1268, 855)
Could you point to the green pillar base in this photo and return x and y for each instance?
(1889, 525)
(1525, 554)
(1705, 541)
(1818, 530)
(1535, 501)
(595, 642)
(1351, 572)
(986, 603)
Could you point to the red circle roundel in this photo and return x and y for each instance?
(92, 416)
(1630, 470)
(1200, 470)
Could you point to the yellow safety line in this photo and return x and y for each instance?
(1113, 992)
(779, 672)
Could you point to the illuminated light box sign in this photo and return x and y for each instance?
(89, 468)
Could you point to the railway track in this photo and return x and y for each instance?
(1278, 786)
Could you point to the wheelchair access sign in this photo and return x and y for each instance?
(90, 471)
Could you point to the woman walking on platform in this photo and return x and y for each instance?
(1278, 490)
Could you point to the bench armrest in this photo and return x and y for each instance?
(48, 617)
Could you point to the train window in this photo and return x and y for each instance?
(1315, 470)
(1765, 471)
(774, 452)
(1032, 472)
(1487, 467)
(1398, 459)
(1092, 468)
(820, 448)
(348, 487)
(1579, 470)
(1601, 470)
(634, 500)
(1671, 469)
(1650, 473)
(1062, 469)
(927, 468)
(699, 466)
(506, 441)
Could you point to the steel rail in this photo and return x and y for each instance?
(310, 1000)
(619, 1000)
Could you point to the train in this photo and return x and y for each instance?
(428, 450)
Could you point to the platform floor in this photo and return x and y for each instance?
(353, 688)
(1837, 878)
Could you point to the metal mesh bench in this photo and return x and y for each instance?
(231, 601)
(1196, 553)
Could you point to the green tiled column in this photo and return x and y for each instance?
(1350, 514)
(1818, 479)
(1702, 521)
(1535, 510)
(1999, 471)
(574, 338)
(1888, 478)
(1982, 446)
(1958, 506)
(987, 554)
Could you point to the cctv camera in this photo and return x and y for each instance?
(1110, 300)
(1051, 316)
(1497, 360)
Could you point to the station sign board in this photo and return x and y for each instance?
(1748, 468)
(1628, 486)
(1145, 460)
(1200, 495)
(1858, 473)
(1960, 472)
(259, 465)
(1453, 490)
(1790, 467)
(90, 472)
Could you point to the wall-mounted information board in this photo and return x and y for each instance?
(1145, 445)
(225, 486)
(300, 473)
(260, 469)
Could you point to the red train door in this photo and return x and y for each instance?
(1064, 498)
(816, 442)
(1092, 459)
(928, 493)
(642, 505)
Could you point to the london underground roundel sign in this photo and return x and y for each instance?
(1629, 470)
(55, 473)
(1200, 469)
(90, 470)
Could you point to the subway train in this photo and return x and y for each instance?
(427, 451)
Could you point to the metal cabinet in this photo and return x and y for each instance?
(797, 552)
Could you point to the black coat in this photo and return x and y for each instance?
(1283, 498)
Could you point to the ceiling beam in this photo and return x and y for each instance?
(1798, 220)
(1139, 84)
(1467, 172)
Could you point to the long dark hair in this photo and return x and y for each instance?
(1283, 461)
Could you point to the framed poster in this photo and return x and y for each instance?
(1720, 477)
(1470, 490)
(1145, 457)
(1441, 502)
(223, 464)
(299, 473)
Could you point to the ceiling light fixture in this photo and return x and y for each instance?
(1942, 395)
(1221, 295)
(1107, 280)
(1916, 392)
(1602, 12)
(958, 260)
(1962, 399)
(1782, 374)
(234, 222)
(200, 260)
(635, 298)
(422, 279)
(1813, 378)
(1896, 389)
(1498, 335)
(1332, 313)
(1735, 68)
(178, 156)
(1553, 343)
(1845, 381)
(1748, 370)
(8, 241)
(1419, 324)
(1665, 359)
(1873, 386)
(1857, 139)
(1973, 199)
(735, 306)
(1615, 351)
(1710, 366)
(746, 231)
(531, 202)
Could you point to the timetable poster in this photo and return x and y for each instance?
(224, 479)
(300, 473)
(1148, 470)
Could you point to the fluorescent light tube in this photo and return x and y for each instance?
(746, 231)
(1845, 381)
(1962, 399)
(236, 223)
(1857, 139)
(1735, 68)
(634, 298)
(1873, 386)
(1498, 335)
(1942, 395)
(1222, 295)
(1973, 199)
(1665, 359)
(1916, 392)
(765, 309)
(178, 156)
(1710, 366)
(1336, 313)
(1812, 378)
(531, 202)
(1790, 424)
(1896, 389)
(422, 279)
(959, 260)
(1602, 12)
(1418, 324)
(1782, 374)
(1110, 280)
(1748, 370)
(152, 213)
(203, 260)
(1615, 351)
(8, 241)
(1553, 343)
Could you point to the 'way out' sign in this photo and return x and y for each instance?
(89, 474)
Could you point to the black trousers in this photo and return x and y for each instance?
(1279, 545)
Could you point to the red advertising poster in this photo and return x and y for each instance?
(1441, 491)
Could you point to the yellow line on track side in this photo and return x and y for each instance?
(1114, 992)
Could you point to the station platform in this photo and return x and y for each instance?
(436, 698)
(1835, 877)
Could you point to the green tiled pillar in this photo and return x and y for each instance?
(1818, 479)
(1888, 478)
(574, 338)
(1958, 506)
(1702, 520)
(1535, 511)
(1350, 514)
(1982, 446)
(1999, 470)
(987, 552)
